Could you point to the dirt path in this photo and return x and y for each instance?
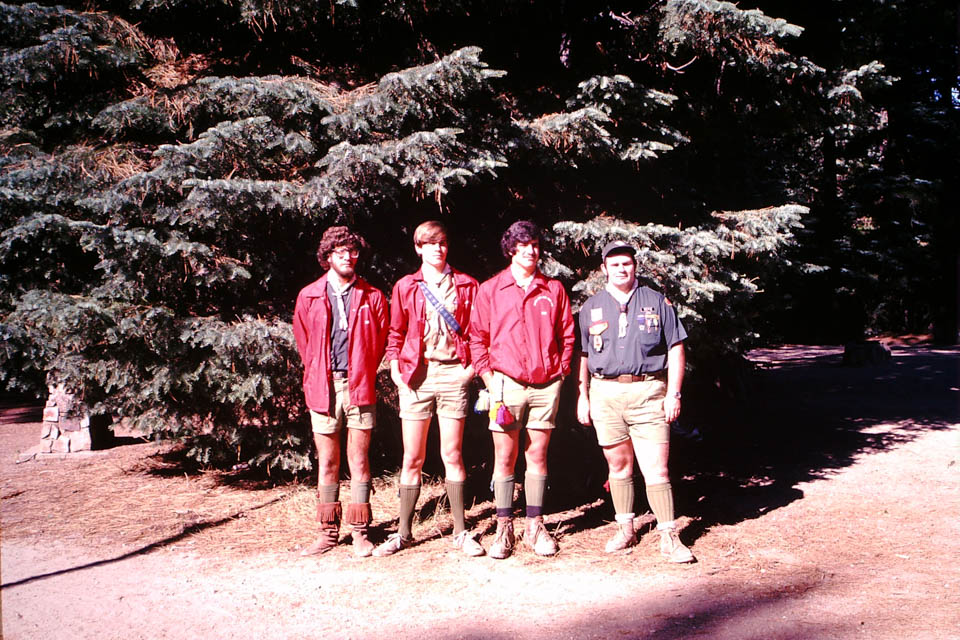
(838, 520)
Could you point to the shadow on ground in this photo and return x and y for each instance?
(700, 612)
(806, 415)
(797, 416)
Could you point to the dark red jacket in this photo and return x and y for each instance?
(408, 312)
(367, 335)
(528, 335)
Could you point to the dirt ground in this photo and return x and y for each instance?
(827, 509)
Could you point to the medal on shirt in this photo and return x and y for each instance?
(596, 330)
(649, 321)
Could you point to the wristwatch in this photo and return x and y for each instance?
(676, 394)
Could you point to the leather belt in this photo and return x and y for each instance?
(629, 377)
(339, 375)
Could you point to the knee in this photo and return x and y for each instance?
(357, 459)
(328, 471)
(451, 456)
(412, 461)
(504, 466)
(620, 468)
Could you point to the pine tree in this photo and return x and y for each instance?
(163, 186)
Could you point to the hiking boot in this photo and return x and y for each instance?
(468, 544)
(362, 547)
(671, 548)
(538, 538)
(625, 538)
(395, 542)
(503, 543)
(328, 515)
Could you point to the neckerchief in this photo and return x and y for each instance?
(623, 299)
(340, 293)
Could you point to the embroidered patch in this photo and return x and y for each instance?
(650, 322)
(598, 342)
(598, 327)
(596, 314)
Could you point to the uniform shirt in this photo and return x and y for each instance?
(339, 355)
(652, 328)
(527, 334)
(438, 340)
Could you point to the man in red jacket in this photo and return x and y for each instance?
(521, 340)
(429, 358)
(340, 325)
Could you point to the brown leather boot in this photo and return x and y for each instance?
(538, 538)
(359, 516)
(328, 515)
(504, 541)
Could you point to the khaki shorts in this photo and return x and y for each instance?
(624, 410)
(534, 403)
(343, 412)
(443, 389)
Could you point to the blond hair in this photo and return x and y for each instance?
(429, 232)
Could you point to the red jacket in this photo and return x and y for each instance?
(367, 333)
(408, 312)
(527, 335)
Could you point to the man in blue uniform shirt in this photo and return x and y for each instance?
(631, 371)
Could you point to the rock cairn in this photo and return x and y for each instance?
(66, 423)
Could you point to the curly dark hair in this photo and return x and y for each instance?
(336, 237)
(521, 231)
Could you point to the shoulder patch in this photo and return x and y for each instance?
(596, 314)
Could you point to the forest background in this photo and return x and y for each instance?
(167, 168)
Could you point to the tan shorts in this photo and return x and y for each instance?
(343, 412)
(443, 389)
(624, 410)
(535, 404)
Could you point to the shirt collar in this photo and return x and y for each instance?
(619, 296)
(345, 288)
(447, 270)
(506, 280)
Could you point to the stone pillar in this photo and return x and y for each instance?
(66, 423)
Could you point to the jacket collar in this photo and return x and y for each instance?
(318, 288)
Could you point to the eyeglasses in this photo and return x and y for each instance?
(346, 253)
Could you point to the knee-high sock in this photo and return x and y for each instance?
(622, 492)
(329, 493)
(534, 488)
(409, 494)
(359, 491)
(455, 496)
(660, 497)
(503, 496)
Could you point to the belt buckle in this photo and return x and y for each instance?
(626, 377)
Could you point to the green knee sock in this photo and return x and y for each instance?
(329, 493)
(660, 497)
(360, 491)
(534, 489)
(622, 492)
(455, 496)
(503, 496)
(409, 494)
